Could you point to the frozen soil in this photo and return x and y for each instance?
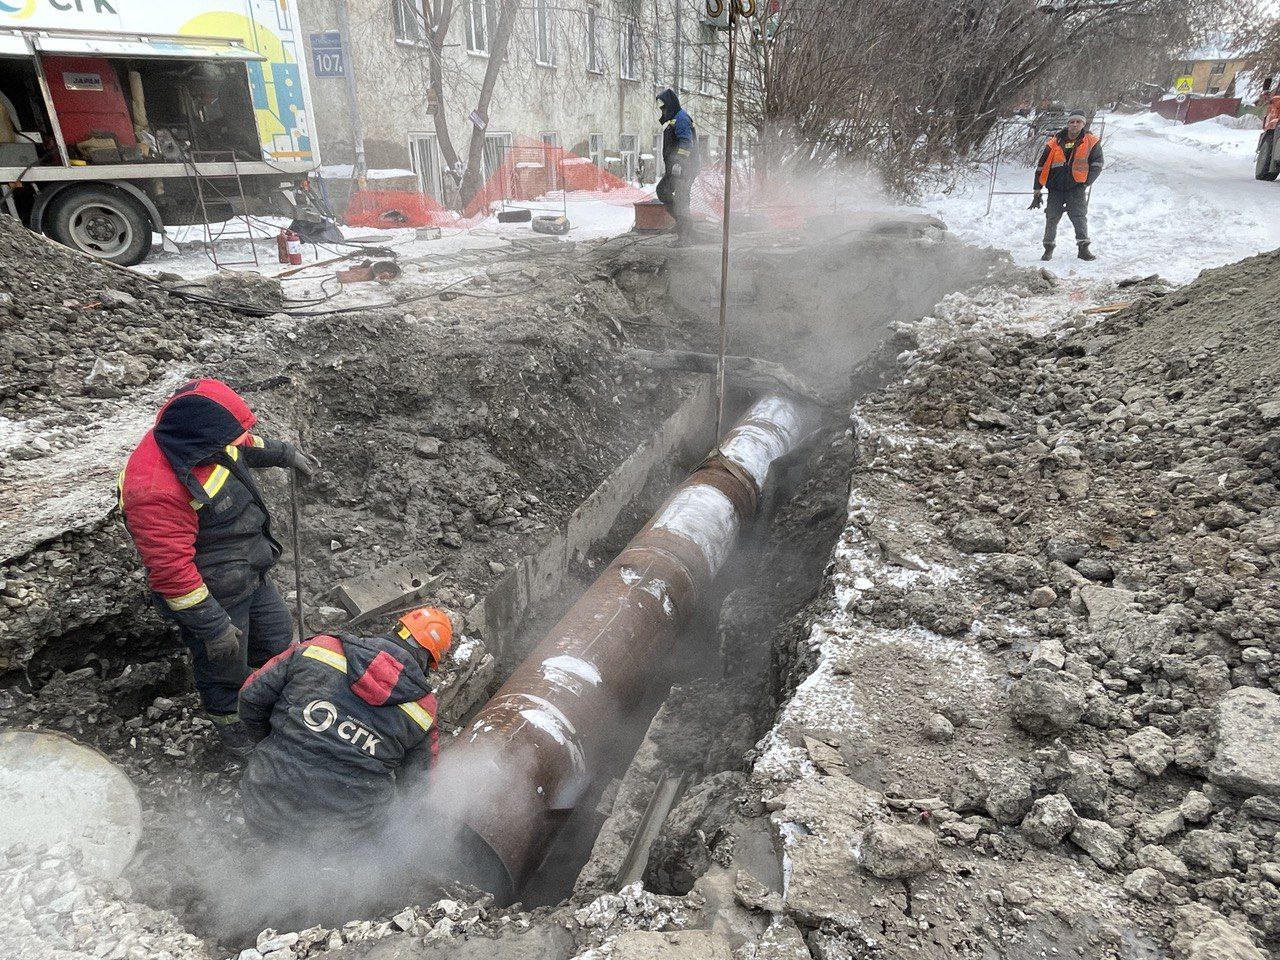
(1040, 700)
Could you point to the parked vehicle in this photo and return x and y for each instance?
(115, 125)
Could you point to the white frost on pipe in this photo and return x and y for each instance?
(704, 515)
(571, 672)
(546, 716)
(629, 575)
(754, 448)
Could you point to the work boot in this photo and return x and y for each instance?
(1048, 252)
(234, 737)
(1083, 251)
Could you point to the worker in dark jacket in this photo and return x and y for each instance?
(679, 162)
(1069, 164)
(343, 722)
(204, 535)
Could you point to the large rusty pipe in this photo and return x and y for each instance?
(529, 753)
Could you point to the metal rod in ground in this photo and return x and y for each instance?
(297, 552)
(724, 231)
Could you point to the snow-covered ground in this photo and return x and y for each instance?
(429, 257)
(1173, 200)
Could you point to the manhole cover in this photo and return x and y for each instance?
(56, 791)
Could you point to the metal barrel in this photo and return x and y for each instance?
(528, 756)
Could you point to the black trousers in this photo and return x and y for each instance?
(266, 628)
(1075, 204)
(674, 194)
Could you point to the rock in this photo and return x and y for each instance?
(1195, 807)
(1085, 783)
(1246, 726)
(1050, 820)
(1101, 841)
(893, 851)
(117, 299)
(939, 729)
(428, 448)
(1095, 569)
(1046, 702)
(1204, 934)
(978, 536)
(1160, 826)
(1009, 794)
(1261, 808)
(1049, 654)
(1210, 850)
(1145, 884)
(1042, 597)
(1066, 551)
(754, 895)
(781, 941)
(1151, 750)
(1164, 860)
(1108, 606)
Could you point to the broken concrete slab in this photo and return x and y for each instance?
(1246, 759)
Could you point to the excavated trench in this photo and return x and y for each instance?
(705, 704)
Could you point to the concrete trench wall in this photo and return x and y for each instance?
(540, 576)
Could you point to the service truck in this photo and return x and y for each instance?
(121, 117)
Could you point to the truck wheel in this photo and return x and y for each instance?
(1264, 168)
(101, 222)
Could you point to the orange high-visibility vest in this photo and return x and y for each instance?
(1079, 162)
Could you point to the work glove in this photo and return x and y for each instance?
(1037, 201)
(225, 647)
(297, 460)
(676, 170)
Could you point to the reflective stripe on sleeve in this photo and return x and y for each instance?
(335, 660)
(418, 715)
(187, 600)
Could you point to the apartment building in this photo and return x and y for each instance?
(578, 74)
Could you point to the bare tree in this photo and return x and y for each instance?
(904, 84)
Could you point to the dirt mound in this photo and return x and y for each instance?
(1055, 626)
(76, 331)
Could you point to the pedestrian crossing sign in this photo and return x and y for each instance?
(1184, 84)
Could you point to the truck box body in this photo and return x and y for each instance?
(268, 28)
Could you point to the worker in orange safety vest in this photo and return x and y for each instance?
(1069, 164)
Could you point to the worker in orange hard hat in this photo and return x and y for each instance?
(341, 722)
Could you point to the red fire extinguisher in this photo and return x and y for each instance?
(289, 247)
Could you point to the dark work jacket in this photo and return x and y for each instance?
(341, 723)
(679, 135)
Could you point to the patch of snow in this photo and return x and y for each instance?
(1173, 199)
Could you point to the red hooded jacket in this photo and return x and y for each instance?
(192, 508)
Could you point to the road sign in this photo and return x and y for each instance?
(477, 121)
(1184, 84)
(326, 55)
(1181, 98)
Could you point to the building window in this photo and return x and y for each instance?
(687, 63)
(544, 34)
(1218, 68)
(426, 163)
(481, 17)
(628, 52)
(706, 61)
(628, 147)
(496, 146)
(595, 49)
(551, 157)
(410, 23)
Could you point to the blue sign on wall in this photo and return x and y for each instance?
(326, 55)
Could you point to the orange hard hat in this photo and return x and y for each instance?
(429, 628)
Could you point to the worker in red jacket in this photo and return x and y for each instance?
(344, 723)
(204, 535)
